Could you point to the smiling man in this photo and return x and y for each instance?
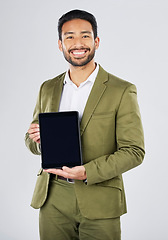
(86, 202)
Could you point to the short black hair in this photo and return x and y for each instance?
(77, 14)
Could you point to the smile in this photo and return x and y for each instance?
(79, 53)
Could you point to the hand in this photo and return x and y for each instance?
(77, 172)
(34, 132)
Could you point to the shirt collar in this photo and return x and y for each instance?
(91, 78)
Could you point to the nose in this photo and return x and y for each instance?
(78, 42)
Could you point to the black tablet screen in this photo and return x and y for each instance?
(60, 139)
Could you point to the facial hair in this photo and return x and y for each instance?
(81, 63)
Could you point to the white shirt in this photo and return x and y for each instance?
(75, 98)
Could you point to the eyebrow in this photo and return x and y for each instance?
(83, 32)
(86, 32)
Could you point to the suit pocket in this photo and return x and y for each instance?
(114, 183)
(102, 115)
(41, 189)
(115, 190)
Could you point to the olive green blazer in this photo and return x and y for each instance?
(112, 143)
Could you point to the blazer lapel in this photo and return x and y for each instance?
(96, 93)
(57, 91)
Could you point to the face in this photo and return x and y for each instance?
(78, 44)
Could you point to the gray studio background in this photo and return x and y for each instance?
(133, 46)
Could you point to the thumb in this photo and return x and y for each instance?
(66, 169)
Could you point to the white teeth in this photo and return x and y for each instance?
(78, 53)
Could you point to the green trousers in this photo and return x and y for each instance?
(60, 218)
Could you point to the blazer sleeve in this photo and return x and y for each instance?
(130, 142)
(31, 145)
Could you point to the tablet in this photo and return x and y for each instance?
(60, 139)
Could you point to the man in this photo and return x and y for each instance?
(111, 134)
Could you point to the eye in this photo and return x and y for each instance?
(85, 36)
(69, 37)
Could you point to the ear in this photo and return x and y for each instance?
(60, 45)
(97, 41)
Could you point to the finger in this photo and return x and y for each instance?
(67, 169)
(57, 172)
(53, 170)
(34, 125)
(33, 130)
(35, 137)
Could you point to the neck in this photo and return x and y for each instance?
(80, 74)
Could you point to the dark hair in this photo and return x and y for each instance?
(77, 14)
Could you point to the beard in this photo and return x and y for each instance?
(79, 62)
